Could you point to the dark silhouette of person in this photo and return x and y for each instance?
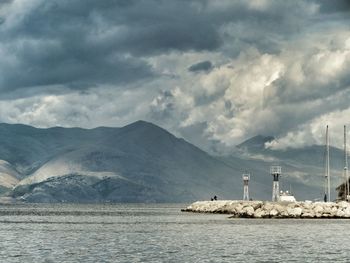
(215, 197)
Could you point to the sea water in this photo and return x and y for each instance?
(161, 233)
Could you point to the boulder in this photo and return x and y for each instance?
(318, 215)
(259, 213)
(318, 209)
(327, 210)
(257, 205)
(343, 204)
(296, 212)
(347, 212)
(279, 208)
(285, 213)
(238, 208)
(248, 210)
(268, 206)
(340, 213)
(307, 215)
(273, 212)
(307, 207)
(334, 211)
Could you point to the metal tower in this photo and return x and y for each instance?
(275, 171)
(246, 178)
(327, 182)
(346, 185)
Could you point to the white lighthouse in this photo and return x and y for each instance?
(246, 178)
(275, 171)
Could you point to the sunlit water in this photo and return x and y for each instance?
(161, 233)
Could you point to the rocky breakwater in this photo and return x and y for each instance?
(264, 209)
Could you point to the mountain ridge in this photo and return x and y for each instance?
(141, 162)
(139, 156)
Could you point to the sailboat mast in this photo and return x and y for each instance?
(327, 184)
(346, 185)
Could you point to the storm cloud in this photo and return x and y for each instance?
(201, 66)
(85, 43)
(281, 67)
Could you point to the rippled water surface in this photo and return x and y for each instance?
(161, 233)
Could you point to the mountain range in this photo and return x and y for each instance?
(142, 162)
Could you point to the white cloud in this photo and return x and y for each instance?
(314, 132)
(288, 95)
(103, 107)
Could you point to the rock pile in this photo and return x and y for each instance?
(262, 209)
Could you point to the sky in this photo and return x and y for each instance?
(213, 72)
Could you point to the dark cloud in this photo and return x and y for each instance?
(201, 66)
(334, 6)
(3, 2)
(85, 43)
(59, 45)
(138, 27)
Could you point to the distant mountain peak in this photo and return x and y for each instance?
(146, 129)
(142, 124)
